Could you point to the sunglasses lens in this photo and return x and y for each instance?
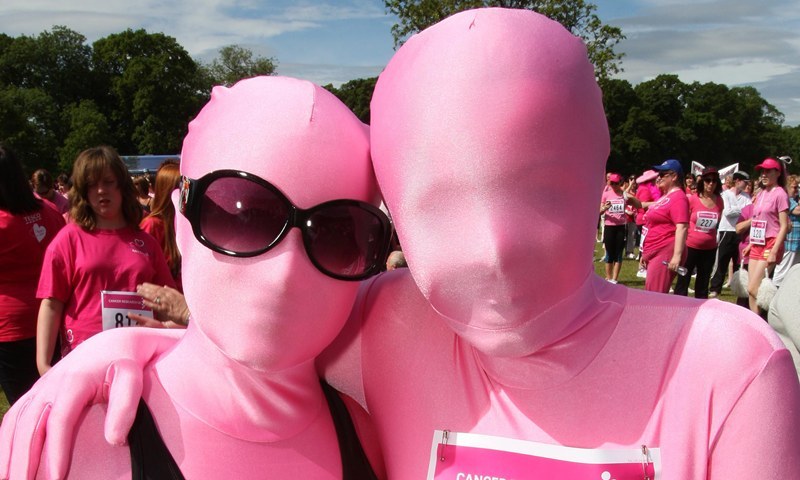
(345, 240)
(241, 216)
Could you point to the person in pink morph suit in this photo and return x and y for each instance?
(499, 327)
(241, 385)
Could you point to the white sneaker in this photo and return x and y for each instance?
(712, 294)
(642, 273)
(631, 256)
(611, 280)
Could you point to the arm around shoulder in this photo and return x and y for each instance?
(759, 438)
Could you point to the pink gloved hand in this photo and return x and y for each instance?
(109, 369)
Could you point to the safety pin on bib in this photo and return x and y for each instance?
(445, 436)
(645, 462)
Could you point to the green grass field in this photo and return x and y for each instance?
(627, 277)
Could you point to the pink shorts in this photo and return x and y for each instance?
(761, 252)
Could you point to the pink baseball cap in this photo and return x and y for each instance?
(770, 164)
(615, 177)
(647, 176)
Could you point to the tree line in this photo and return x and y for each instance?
(134, 90)
(138, 91)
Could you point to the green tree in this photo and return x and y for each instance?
(154, 88)
(577, 16)
(663, 100)
(88, 127)
(731, 124)
(790, 145)
(57, 62)
(26, 119)
(618, 100)
(235, 63)
(356, 94)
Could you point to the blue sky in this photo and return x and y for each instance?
(734, 42)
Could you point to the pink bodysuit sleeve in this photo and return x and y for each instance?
(105, 368)
(340, 363)
(761, 436)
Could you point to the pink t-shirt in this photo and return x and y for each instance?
(703, 223)
(23, 240)
(616, 214)
(79, 264)
(644, 194)
(745, 214)
(767, 206)
(59, 201)
(662, 217)
(155, 227)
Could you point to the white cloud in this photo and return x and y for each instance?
(733, 42)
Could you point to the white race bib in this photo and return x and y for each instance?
(617, 206)
(706, 221)
(116, 305)
(641, 241)
(758, 232)
(469, 456)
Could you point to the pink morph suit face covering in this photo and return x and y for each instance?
(473, 141)
(276, 309)
(477, 124)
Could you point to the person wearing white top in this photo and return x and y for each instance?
(734, 200)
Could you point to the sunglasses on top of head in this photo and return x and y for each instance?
(239, 214)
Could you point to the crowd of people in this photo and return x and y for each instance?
(63, 244)
(703, 226)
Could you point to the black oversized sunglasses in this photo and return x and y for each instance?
(239, 214)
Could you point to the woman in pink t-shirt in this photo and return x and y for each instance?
(769, 225)
(160, 223)
(103, 249)
(705, 209)
(612, 206)
(665, 228)
(27, 226)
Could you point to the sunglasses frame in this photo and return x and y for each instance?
(192, 190)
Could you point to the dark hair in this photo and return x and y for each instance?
(783, 176)
(88, 168)
(142, 185)
(16, 195)
(42, 178)
(714, 178)
(167, 180)
(64, 179)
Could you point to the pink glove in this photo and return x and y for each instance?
(111, 373)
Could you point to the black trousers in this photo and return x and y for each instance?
(18, 370)
(614, 241)
(727, 250)
(703, 260)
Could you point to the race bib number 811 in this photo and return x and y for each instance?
(116, 305)
(469, 456)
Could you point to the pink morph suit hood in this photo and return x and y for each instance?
(473, 163)
(300, 138)
(258, 323)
